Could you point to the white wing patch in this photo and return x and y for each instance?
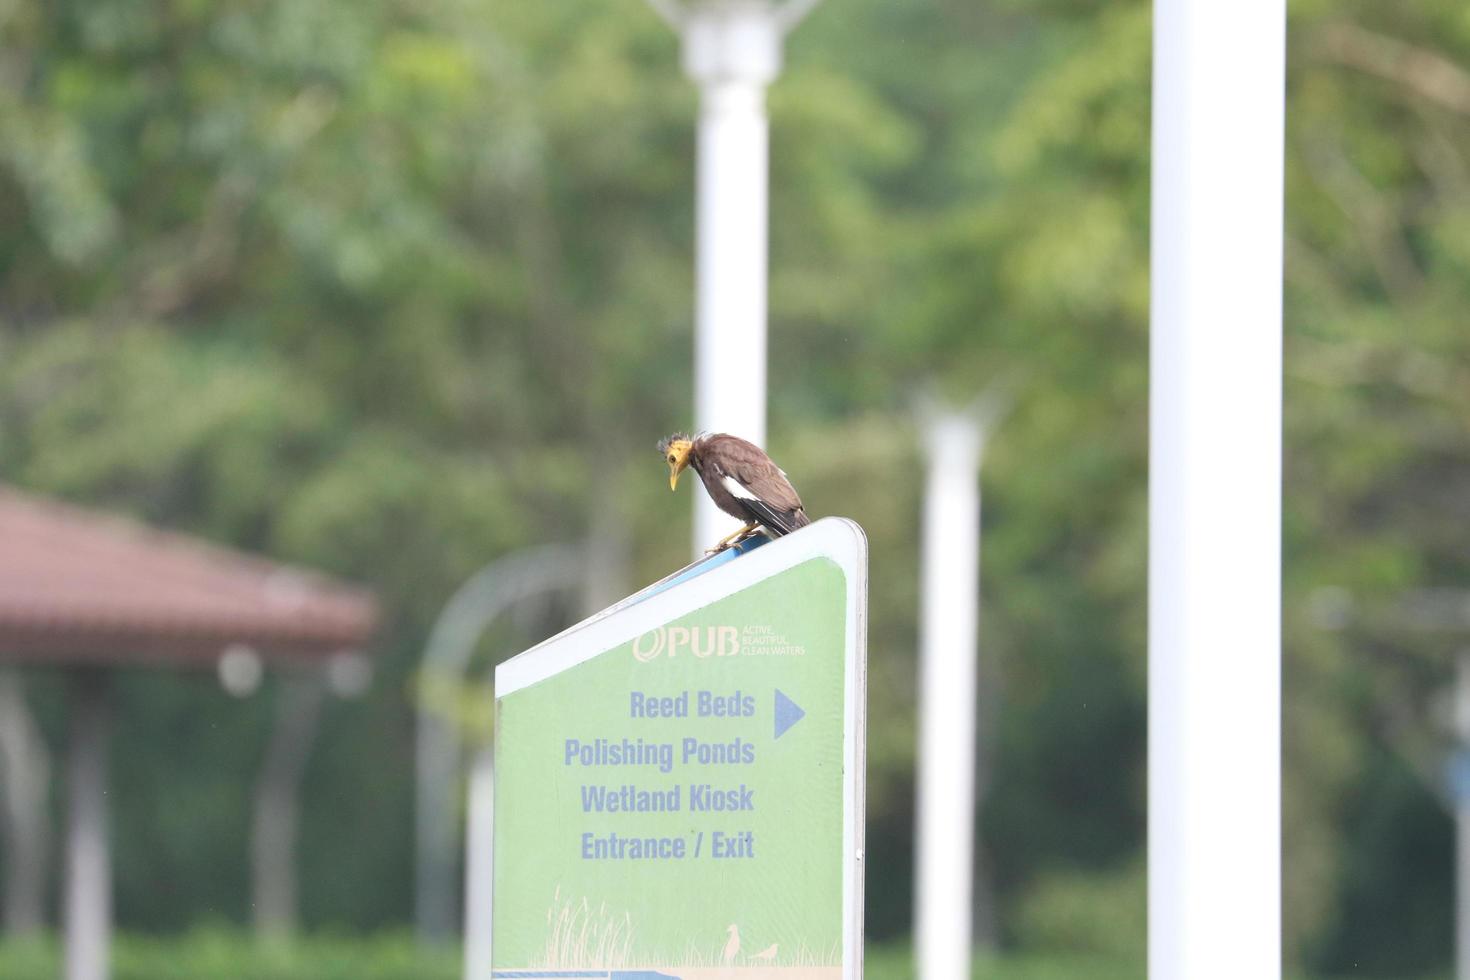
(737, 488)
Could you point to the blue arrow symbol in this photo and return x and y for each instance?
(788, 713)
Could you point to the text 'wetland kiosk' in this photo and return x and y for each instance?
(679, 779)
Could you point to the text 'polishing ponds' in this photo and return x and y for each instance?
(679, 780)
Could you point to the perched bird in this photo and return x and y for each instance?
(732, 945)
(766, 955)
(742, 481)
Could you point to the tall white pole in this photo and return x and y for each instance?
(950, 590)
(25, 824)
(1214, 825)
(88, 884)
(732, 51)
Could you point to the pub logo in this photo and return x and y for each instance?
(700, 642)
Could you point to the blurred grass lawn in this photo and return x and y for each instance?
(217, 954)
(228, 955)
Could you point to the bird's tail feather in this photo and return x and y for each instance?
(778, 522)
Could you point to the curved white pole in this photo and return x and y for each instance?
(437, 770)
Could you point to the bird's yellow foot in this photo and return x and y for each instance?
(730, 540)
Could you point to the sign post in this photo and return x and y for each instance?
(679, 780)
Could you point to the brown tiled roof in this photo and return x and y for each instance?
(79, 586)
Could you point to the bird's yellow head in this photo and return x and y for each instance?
(675, 451)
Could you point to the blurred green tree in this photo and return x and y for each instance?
(375, 285)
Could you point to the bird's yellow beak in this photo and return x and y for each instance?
(676, 454)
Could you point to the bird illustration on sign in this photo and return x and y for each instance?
(764, 956)
(742, 481)
(732, 949)
(732, 945)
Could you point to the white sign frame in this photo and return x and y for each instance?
(835, 538)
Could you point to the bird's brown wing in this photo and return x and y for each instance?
(756, 471)
(748, 464)
(769, 484)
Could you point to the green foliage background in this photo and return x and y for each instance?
(393, 288)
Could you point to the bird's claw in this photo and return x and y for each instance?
(730, 541)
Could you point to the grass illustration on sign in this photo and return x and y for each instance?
(577, 936)
(601, 940)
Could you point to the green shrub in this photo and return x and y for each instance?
(218, 954)
(1088, 914)
(895, 961)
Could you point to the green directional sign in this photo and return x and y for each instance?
(679, 781)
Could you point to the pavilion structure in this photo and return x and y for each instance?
(88, 594)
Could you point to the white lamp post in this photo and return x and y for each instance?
(1214, 826)
(732, 51)
(949, 640)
